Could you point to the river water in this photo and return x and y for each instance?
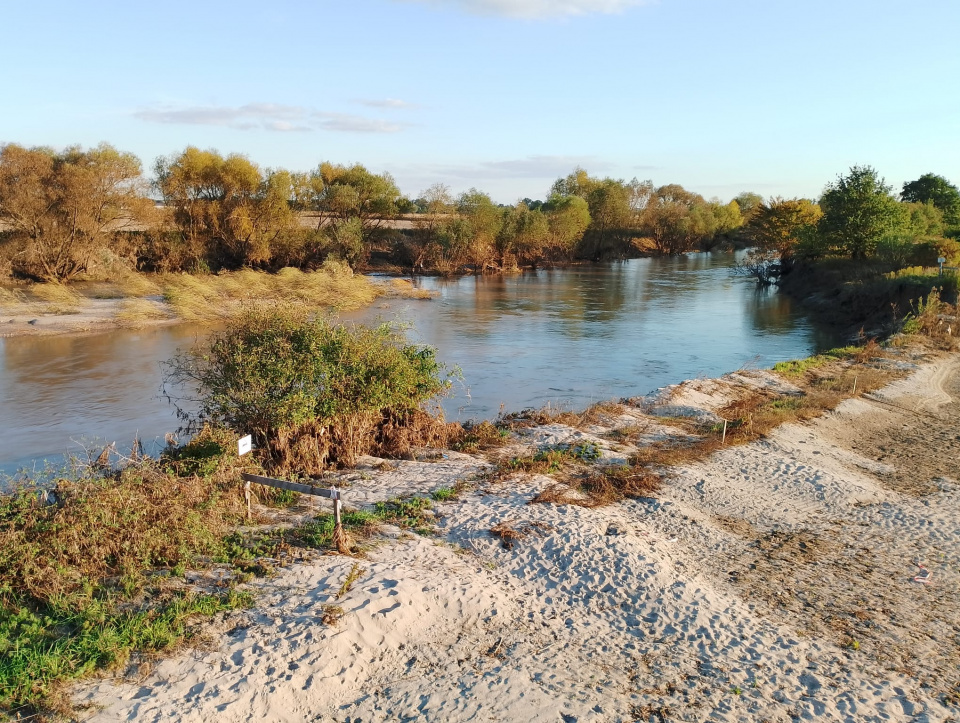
(565, 337)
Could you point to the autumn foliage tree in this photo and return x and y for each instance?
(229, 211)
(778, 225)
(62, 208)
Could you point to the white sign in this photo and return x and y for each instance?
(244, 445)
(941, 260)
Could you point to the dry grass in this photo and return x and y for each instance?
(133, 285)
(54, 299)
(481, 437)
(509, 533)
(405, 289)
(136, 312)
(206, 298)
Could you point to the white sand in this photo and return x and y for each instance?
(772, 582)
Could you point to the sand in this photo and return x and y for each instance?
(771, 582)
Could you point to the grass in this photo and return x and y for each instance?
(797, 367)
(79, 582)
(57, 298)
(207, 298)
(824, 380)
(480, 437)
(40, 651)
(355, 572)
(135, 312)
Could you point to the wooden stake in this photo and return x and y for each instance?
(246, 496)
(340, 538)
(855, 385)
(724, 440)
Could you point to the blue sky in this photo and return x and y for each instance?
(720, 96)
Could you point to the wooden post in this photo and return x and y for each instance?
(724, 440)
(246, 496)
(855, 384)
(340, 539)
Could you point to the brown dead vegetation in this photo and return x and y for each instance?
(510, 533)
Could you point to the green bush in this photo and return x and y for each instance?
(309, 391)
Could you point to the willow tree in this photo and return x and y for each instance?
(228, 210)
(778, 225)
(613, 206)
(568, 218)
(62, 208)
(353, 196)
(483, 219)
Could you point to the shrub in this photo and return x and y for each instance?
(308, 390)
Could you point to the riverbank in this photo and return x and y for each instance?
(810, 573)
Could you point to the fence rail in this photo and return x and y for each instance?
(331, 493)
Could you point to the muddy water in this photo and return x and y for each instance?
(570, 336)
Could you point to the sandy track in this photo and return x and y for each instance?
(773, 582)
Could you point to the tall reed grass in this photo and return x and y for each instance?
(205, 298)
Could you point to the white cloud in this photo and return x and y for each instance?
(529, 167)
(270, 117)
(538, 8)
(391, 103)
(355, 124)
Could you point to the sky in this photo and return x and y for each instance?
(777, 97)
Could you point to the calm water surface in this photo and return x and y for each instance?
(568, 336)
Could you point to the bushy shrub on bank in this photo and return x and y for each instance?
(313, 394)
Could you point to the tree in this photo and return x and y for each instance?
(429, 225)
(522, 235)
(229, 211)
(613, 205)
(675, 220)
(749, 204)
(484, 221)
(62, 207)
(568, 217)
(930, 188)
(858, 210)
(353, 192)
(779, 224)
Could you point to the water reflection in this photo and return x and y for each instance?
(570, 336)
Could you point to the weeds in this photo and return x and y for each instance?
(933, 318)
(331, 614)
(508, 533)
(443, 494)
(355, 572)
(480, 437)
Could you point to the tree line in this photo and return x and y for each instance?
(859, 217)
(64, 213)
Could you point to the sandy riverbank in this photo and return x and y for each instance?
(775, 581)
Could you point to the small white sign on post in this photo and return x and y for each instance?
(244, 445)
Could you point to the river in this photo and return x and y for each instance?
(562, 336)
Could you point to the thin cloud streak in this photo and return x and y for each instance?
(529, 167)
(389, 103)
(537, 9)
(272, 117)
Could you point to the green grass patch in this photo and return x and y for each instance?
(42, 650)
(800, 366)
(443, 494)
